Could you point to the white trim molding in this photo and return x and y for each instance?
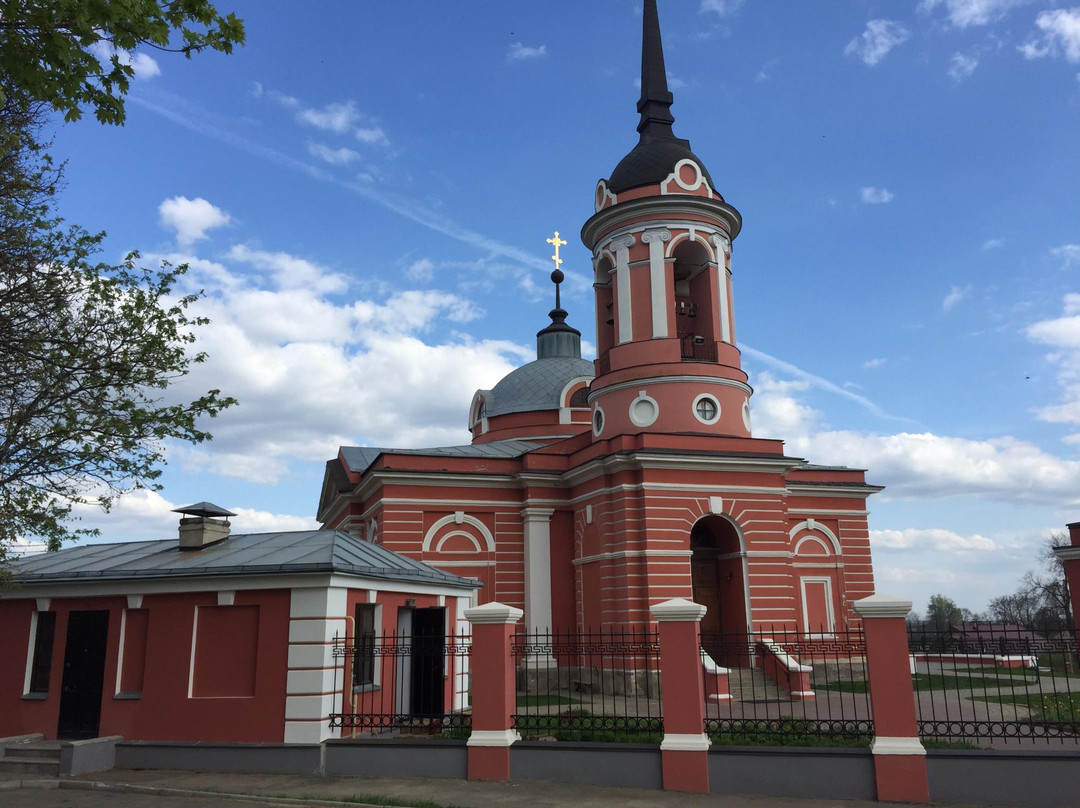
(882, 605)
(887, 745)
(681, 742)
(500, 738)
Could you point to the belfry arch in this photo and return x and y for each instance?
(718, 576)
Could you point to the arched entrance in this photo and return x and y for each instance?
(716, 570)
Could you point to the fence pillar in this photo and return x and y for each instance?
(685, 748)
(1070, 560)
(899, 756)
(493, 691)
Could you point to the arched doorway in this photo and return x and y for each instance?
(716, 570)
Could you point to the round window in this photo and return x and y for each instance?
(597, 421)
(746, 415)
(706, 409)
(644, 410)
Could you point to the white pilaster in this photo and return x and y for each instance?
(622, 247)
(537, 523)
(657, 287)
(313, 690)
(723, 248)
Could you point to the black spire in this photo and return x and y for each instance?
(655, 102)
(658, 149)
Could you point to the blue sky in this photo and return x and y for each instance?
(364, 190)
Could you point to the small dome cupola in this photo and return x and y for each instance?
(558, 340)
(658, 151)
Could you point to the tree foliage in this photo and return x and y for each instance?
(75, 53)
(87, 352)
(943, 613)
(1042, 598)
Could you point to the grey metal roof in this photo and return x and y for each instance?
(241, 554)
(535, 386)
(359, 458)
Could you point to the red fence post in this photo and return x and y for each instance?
(685, 748)
(493, 691)
(1070, 560)
(899, 756)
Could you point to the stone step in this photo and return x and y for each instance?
(45, 751)
(29, 765)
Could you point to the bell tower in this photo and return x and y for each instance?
(661, 242)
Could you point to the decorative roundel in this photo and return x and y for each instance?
(746, 415)
(644, 410)
(597, 421)
(706, 409)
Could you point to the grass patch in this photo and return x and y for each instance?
(1064, 707)
(790, 732)
(581, 725)
(951, 681)
(941, 743)
(849, 686)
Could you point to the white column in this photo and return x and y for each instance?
(537, 522)
(316, 617)
(723, 247)
(657, 287)
(622, 246)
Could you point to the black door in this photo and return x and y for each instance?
(84, 675)
(428, 647)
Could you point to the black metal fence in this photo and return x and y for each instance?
(602, 686)
(1002, 683)
(787, 687)
(402, 683)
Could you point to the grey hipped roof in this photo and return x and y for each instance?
(303, 551)
(360, 458)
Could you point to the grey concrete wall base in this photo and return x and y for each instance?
(94, 755)
(396, 757)
(777, 771)
(31, 738)
(1043, 778)
(251, 758)
(599, 764)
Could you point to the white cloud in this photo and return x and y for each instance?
(874, 44)
(337, 118)
(722, 8)
(930, 538)
(956, 294)
(964, 13)
(519, 52)
(874, 364)
(1060, 35)
(422, 270)
(764, 74)
(961, 66)
(1062, 334)
(312, 373)
(335, 157)
(919, 465)
(876, 196)
(373, 135)
(191, 218)
(993, 243)
(143, 65)
(147, 515)
(1069, 255)
(290, 272)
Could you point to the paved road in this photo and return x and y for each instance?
(445, 793)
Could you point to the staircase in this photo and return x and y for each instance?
(33, 757)
(751, 684)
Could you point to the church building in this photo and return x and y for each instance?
(592, 490)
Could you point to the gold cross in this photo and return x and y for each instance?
(558, 242)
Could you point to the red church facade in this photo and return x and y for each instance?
(595, 490)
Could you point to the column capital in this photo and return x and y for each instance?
(536, 514)
(678, 610)
(882, 605)
(493, 613)
(625, 241)
(656, 234)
